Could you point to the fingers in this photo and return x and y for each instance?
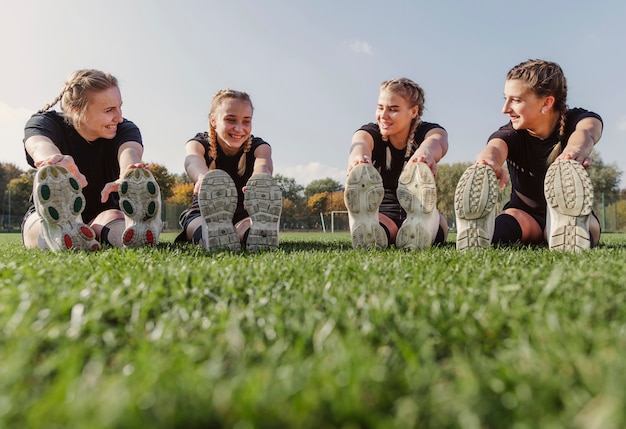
(108, 188)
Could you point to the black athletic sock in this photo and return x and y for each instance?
(197, 236)
(507, 230)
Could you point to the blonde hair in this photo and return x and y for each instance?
(414, 95)
(545, 78)
(75, 95)
(220, 96)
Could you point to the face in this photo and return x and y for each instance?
(232, 121)
(104, 112)
(393, 114)
(523, 106)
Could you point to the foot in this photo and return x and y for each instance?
(475, 205)
(59, 201)
(140, 201)
(417, 194)
(263, 200)
(363, 195)
(218, 202)
(569, 196)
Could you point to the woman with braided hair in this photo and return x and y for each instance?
(390, 191)
(91, 185)
(236, 202)
(547, 147)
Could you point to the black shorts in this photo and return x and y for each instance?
(193, 212)
(539, 214)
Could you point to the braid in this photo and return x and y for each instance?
(241, 168)
(558, 148)
(410, 142)
(212, 146)
(53, 102)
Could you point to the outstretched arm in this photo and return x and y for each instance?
(263, 160)
(432, 149)
(580, 144)
(45, 152)
(195, 164)
(128, 156)
(360, 149)
(494, 155)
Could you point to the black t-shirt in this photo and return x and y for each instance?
(230, 164)
(97, 160)
(528, 155)
(398, 158)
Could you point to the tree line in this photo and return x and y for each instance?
(304, 207)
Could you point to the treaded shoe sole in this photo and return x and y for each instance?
(140, 201)
(263, 200)
(569, 196)
(363, 195)
(59, 201)
(417, 194)
(218, 201)
(475, 203)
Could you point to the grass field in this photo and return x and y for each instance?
(316, 335)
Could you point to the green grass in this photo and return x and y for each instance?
(316, 335)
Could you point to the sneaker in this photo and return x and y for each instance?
(218, 201)
(417, 194)
(363, 195)
(59, 201)
(475, 205)
(264, 201)
(569, 196)
(140, 201)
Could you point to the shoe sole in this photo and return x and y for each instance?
(263, 200)
(417, 194)
(59, 201)
(218, 202)
(475, 200)
(569, 196)
(140, 201)
(363, 195)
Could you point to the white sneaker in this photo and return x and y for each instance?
(417, 194)
(263, 200)
(140, 201)
(475, 206)
(218, 201)
(363, 195)
(59, 201)
(569, 196)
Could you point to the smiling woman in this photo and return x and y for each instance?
(89, 143)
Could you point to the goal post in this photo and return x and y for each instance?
(332, 218)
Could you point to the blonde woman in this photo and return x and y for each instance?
(390, 191)
(91, 185)
(236, 202)
(547, 147)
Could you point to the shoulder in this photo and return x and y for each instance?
(505, 132)
(258, 141)
(575, 114)
(202, 137)
(371, 128)
(424, 127)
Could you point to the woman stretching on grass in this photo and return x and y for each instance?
(89, 145)
(236, 200)
(547, 147)
(390, 192)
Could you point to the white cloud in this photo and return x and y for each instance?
(360, 47)
(305, 174)
(621, 123)
(12, 121)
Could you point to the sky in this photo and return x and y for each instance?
(312, 68)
